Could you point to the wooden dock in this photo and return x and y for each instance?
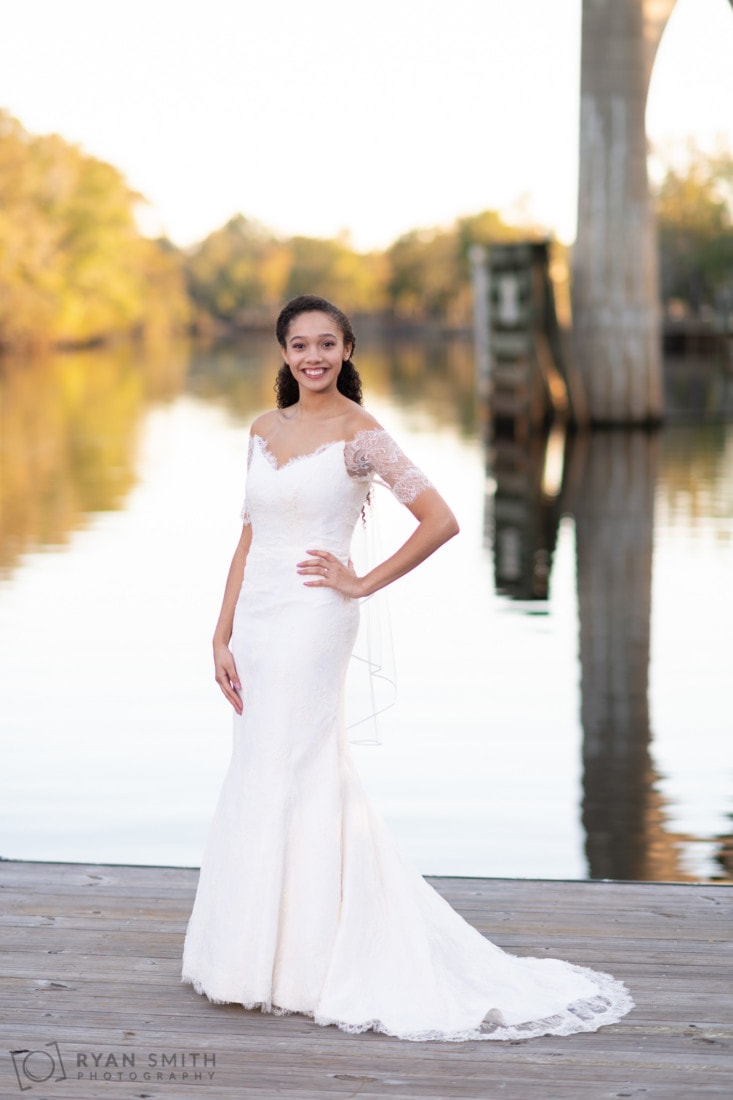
(91, 973)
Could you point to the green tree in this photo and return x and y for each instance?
(694, 214)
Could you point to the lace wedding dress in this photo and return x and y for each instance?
(304, 902)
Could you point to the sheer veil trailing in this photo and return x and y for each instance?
(371, 682)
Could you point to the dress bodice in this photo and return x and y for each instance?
(314, 500)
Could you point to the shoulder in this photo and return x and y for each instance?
(361, 421)
(264, 423)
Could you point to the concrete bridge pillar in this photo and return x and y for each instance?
(616, 315)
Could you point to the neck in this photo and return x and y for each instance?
(319, 406)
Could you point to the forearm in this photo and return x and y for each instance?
(223, 629)
(424, 541)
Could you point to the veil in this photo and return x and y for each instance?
(371, 684)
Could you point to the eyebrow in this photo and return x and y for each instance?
(320, 336)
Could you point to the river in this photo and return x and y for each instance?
(564, 665)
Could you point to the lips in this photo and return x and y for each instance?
(317, 372)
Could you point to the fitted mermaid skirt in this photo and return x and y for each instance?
(305, 902)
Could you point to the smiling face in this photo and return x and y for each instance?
(315, 351)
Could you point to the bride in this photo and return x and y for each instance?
(304, 902)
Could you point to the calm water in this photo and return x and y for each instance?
(564, 666)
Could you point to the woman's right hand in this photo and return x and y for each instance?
(225, 673)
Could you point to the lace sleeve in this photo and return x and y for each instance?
(373, 452)
(244, 511)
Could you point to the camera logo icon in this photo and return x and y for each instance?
(35, 1067)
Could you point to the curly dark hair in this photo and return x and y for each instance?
(348, 381)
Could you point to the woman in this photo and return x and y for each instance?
(304, 903)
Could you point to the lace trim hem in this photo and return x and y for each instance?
(612, 1002)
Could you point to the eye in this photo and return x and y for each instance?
(329, 343)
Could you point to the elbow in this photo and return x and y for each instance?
(450, 527)
(440, 524)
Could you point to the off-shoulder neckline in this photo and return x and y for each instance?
(271, 459)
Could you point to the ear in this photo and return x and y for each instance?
(348, 351)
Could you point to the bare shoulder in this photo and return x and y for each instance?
(361, 421)
(263, 424)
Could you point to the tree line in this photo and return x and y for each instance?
(75, 269)
(242, 272)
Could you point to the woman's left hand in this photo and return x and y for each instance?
(328, 572)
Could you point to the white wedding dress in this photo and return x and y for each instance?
(304, 902)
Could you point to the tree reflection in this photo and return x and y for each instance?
(437, 378)
(68, 434)
(433, 379)
(238, 376)
(69, 424)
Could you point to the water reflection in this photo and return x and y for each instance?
(69, 448)
(238, 377)
(68, 433)
(614, 519)
(608, 487)
(697, 388)
(435, 381)
(697, 487)
(610, 484)
(525, 511)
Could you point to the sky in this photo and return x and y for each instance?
(332, 116)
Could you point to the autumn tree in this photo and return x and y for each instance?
(334, 270)
(242, 273)
(429, 270)
(74, 267)
(238, 271)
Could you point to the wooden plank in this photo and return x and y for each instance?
(91, 956)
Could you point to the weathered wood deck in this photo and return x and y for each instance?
(91, 961)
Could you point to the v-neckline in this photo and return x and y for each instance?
(271, 459)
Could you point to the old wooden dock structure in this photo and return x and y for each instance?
(92, 1005)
